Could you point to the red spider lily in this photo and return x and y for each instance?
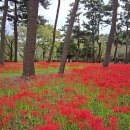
(45, 92)
(38, 98)
(12, 104)
(49, 117)
(35, 113)
(66, 111)
(124, 109)
(97, 124)
(82, 125)
(54, 94)
(24, 121)
(68, 90)
(85, 114)
(42, 106)
(7, 119)
(1, 111)
(28, 101)
(24, 112)
(49, 127)
(40, 65)
(114, 122)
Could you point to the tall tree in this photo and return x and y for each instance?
(29, 50)
(111, 35)
(117, 41)
(67, 37)
(2, 45)
(126, 23)
(15, 31)
(74, 49)
(94, 15)
(54, 32)
(76, 34)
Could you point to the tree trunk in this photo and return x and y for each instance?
(99, 43)
(93, 47)
(54, 32)
(127, 32)
(126, 53)
(87, 48)
(115, 53)
(99, 51)
(67, 37)
(43, 55)
(86, 54)
(78, 42)
(129, 56)
(2, 45)
(127, 43)
(29, 49)
(15, 32)
(111, 35)
(100, 57)
(11, 51)
(78, 50)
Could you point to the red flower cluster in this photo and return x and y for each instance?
(88, 98)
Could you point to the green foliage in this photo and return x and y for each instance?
(44, 39)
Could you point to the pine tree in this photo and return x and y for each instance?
(67, 37)
(2, 45)
(111, 35)
(29, 49)
(54, 32)
(94, 14)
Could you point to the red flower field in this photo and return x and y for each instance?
(88, 97)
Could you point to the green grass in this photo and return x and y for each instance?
(13, 73)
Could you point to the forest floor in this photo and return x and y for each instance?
(87, 97)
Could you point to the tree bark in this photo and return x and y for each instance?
(129, 56)
(115, 53)
(15, 32)
(99, 43)
(111, 34)
(11, 51)
(67, 38)
(78, 50)
(29, 49)
(2, 45)
(43, 55)
(127, 43)
(54, 32)
(127, 33)
(78, 41)
(99, 51)
(100, 57)
(93, 47)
